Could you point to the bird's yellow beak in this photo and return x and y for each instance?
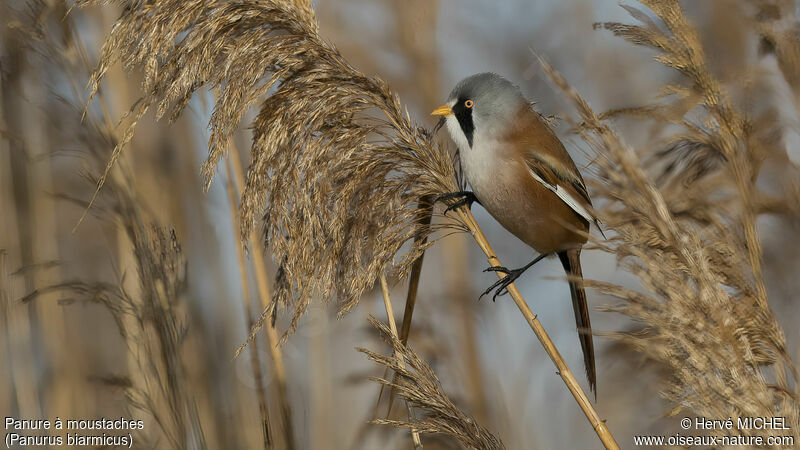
(443, 110)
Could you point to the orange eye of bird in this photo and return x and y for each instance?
(469, 103)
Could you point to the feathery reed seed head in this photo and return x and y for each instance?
(417, 383)
(692, 243)
(337, 167)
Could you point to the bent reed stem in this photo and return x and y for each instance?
(387, 303)
(533, 321)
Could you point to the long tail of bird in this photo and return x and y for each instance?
(571, 260)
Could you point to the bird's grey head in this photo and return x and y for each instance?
(480, 105)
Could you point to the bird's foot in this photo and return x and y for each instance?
(502, 284)
(511, 275)
(462, 198)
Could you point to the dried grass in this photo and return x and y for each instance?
(692, 240)
(336, 167)
(255, 360)
(776, 23)
(152, 317)
(418, 384)
(152, 324)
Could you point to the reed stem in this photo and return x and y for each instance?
(563, 370)
(254, 359)
(387, 303)
(265, 294)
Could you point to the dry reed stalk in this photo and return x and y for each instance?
(387, 303)
(149, 314)
(124, 251)
(415, 25)
(538, 329)
(272, 338)
(152, 325)
(156, 334)
(5, 394)
(419, 386)
(323, 429)
(460, 291)
(255, 361)
(23, 333)
(97, 135)
(45, 54)
(425, 206)
(23, 125)
(776, 22)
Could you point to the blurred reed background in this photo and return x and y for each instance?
(138, 312)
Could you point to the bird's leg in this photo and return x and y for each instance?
(464, 198)
(511, 275)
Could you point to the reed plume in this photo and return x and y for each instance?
(691, 239)
(416, 382)
(776, 23)
(152, 315)
(337, 167)
(152, 323)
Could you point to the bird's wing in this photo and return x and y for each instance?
(565, 181)
(548, 161)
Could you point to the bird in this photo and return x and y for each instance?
(520, 172)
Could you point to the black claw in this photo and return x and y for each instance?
(459, 204)
(456, 194)
(503, 283)
(487, 291)
(464, 198)
(511, 275)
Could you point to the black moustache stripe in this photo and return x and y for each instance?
(464, 116)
